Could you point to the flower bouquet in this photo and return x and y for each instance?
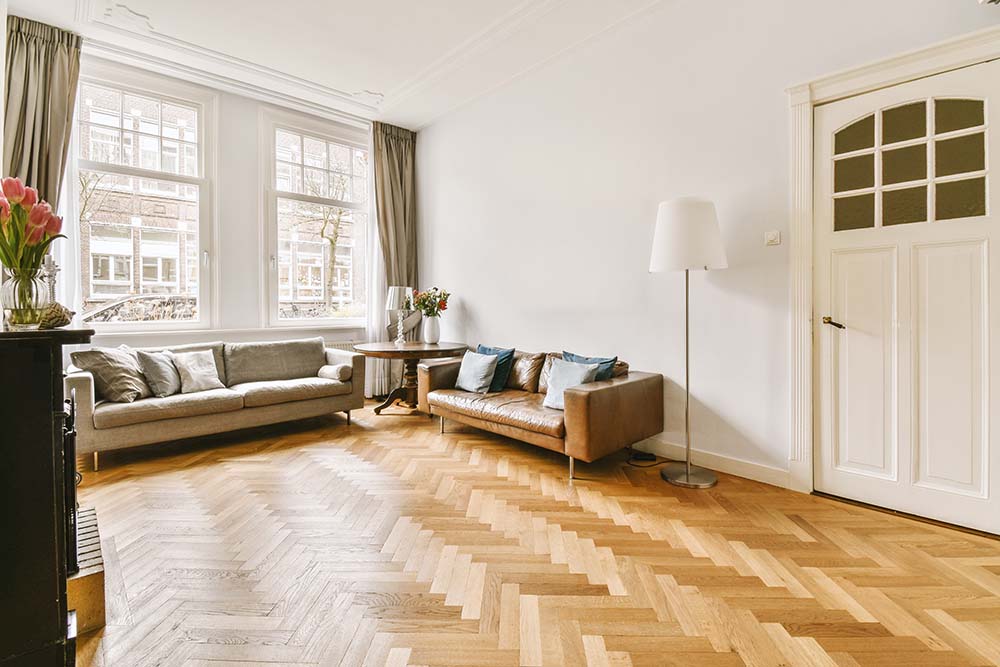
(27, 228)
(431, 303)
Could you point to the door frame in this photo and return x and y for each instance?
(971, 49)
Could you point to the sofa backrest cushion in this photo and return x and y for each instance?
(215, 346)
(526, 370)
(274, 360)
(620, 369)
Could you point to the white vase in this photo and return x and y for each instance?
(431, 330)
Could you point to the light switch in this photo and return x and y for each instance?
(772, 237)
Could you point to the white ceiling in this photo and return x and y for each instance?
(404, 61)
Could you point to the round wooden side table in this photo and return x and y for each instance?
(411, 353)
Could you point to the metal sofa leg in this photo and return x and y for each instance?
(442, 423)
(97, 464)
(571, 462)
(348, 417)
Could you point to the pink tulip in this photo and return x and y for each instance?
(30, 197)
(39, 214)
(13, 189)
(35, 235)
(54, 225)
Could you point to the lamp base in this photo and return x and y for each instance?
(700, 478)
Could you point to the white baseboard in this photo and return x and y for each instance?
(718, 462)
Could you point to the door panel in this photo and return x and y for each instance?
(864, 356)
(950, 314)
(905, 254)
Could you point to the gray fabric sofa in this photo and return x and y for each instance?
(265, 383)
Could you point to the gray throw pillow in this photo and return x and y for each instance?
(197, 371)
(476, 372)
(161, 374)
(117, 374)
(566, 374)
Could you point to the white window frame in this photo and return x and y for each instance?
(132, 81)
(354, 135)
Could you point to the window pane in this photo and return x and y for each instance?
(340, 158)
(321, 259)
(856, 212)
(951, 115)
(904, 206)
(856, 136)
(180, 122)
(315, 182)
(315, 152)
(340, 186)
(360, 162)
(960, 155)
(100, 144)
(906, 122)
(854, 173)
(961, 199)
(288, 177)
(288, 147)
(99, 105)
(904, 164)
(121, 216)
(141, 114)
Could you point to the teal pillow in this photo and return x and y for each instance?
(605, 365)
(505, 362)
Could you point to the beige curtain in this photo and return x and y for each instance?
(395, 201)
(43, 69)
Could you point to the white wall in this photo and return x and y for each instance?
(537, 202)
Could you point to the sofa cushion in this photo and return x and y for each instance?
(511, 407)
(275, 360)
(271, 392)
(110, 415)
(525, 371)
(620, 369)
(342, 372)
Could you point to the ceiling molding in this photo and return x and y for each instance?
(493, 34)
(118, 18)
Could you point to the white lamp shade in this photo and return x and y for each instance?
(687, 236)
(397, 297)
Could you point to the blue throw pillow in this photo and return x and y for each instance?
(606, 365)
(505, 362)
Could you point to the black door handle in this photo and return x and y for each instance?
(829, 320)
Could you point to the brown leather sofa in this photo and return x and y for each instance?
(600, 417)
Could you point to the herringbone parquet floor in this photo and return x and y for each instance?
(385, 543)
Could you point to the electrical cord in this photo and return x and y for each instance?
(631, 460)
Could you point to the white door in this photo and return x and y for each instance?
(906, 261)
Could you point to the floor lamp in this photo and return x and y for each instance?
(687, 237)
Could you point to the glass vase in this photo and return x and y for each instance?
(24, 296)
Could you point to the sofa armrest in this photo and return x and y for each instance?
(357, 363)
(603, 417)
(82, 382)
(431, 375)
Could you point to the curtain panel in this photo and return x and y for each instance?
(43, 70)
(394, 158)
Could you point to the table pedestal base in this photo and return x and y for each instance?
(405, 394)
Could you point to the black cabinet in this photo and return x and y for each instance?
(37, 499)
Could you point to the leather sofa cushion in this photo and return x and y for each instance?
(526, 370)
(257, 394)
(510, 407)
(620, 369)
(111, 415)
(276, 360)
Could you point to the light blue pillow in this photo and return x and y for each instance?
(607, 364)
(566, 374)
(476, 372)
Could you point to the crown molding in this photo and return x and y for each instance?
(459, 56)
(211, 67)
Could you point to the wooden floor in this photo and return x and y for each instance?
(386, 543)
